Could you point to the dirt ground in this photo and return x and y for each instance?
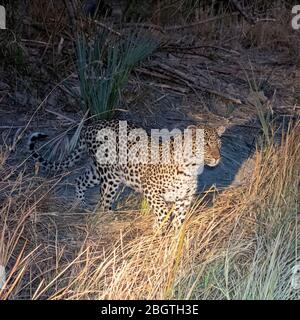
(165, 92)
(215, 70)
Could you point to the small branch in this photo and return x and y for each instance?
(59, 115)
(145, 26)
(183, 48)
(16, 139)
(247, 17)
(71, 9)
(102, 25)
(191, 82)
(200, 22)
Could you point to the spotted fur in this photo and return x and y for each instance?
(168, 188)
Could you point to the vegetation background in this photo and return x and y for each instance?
(159, 63)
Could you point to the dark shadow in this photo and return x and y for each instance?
(238, 144)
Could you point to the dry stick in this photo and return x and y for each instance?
(170, 78)
(176, 80)
(247, 17)
(163, 77)
(22, 126)
(16, 139)
(175, 48)
(145, 26)
(152, 73)
(178, 90)
(35, 42)
(102, 25)
(70, 5)
(59, 115)
(52, 35)
(188, 79)
(200, 22)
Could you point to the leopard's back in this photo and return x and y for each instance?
(161, 183)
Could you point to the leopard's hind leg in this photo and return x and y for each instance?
(109, 185)
(89, 179)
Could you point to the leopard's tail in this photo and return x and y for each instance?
(71, 159)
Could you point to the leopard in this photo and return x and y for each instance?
(167, 186)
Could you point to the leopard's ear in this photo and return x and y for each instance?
(220, 130)
(192, 127)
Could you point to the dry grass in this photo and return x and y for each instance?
(244, 246)
(273, 32)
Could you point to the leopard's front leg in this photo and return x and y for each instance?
(160, 209)
(183, 204)
(181, 208)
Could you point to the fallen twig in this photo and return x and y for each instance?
(169, 87)
(247, 17)
(175, 48)
(191, 82)
(71, 9)
(16, 139)
(200, 22)
(163, 77)
(145, 26)
(60, 115)
(104, 26)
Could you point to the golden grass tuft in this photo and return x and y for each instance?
(243, 246)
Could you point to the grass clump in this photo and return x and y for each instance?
(244, 246)
(104, 66)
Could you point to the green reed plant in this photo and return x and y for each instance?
(104, 65)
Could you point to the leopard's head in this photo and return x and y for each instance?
(212, 144)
